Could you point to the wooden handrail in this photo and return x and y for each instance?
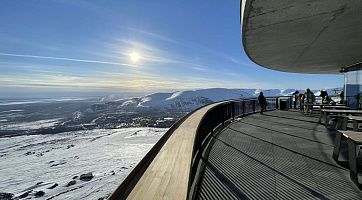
(165, 172)
(133, 177)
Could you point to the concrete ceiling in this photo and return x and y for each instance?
(303, 36)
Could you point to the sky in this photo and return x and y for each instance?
(84, 47)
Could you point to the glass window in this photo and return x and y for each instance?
(353, 88)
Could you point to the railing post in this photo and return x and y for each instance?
(233, 109)
(276, 103)
(198, 138)
(213, 123)
(254, 106)
(223, 119)
(243, 107)
(295, 102)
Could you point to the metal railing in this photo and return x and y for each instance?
(215, 117)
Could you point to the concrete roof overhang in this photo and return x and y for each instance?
(302, 36)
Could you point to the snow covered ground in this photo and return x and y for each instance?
(31, 125)
(54, 163)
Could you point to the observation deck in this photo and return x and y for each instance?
(278, 155)
(228, 150)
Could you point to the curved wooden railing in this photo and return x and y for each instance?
(168, 170)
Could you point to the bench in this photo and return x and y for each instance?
(318, 108)
(314, 108)
(354, 119)
(325, 112)
(353, 140)
(340, 120)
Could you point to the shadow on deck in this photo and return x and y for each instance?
(278, 155)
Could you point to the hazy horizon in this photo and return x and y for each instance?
(126, 94)
(86, 47)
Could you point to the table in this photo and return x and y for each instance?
(354, 119)
(338, 107)
(354, 139)
(324, 113)
(321, 105)
(328, 106)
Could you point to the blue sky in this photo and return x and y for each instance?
(76, 47)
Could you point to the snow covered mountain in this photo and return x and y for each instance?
(185, 101)
(182, 101)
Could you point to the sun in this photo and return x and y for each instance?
(134, 56)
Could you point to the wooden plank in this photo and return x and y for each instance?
(355, 120)
(322, 105)
(356, 136)
(337, 107)
(358, 118)
(324, 113)
(167, 177)
(342, 111)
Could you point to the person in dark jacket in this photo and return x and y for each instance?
(309, 98)
(262, 102)
(323, 94)
(342, 97)
(301, 101)
(296, 98)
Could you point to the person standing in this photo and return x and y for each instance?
(327, 99)
(309, 98)
(296, 96)
(323, 94)
(341, 96)
(262, 102)
(301, 101)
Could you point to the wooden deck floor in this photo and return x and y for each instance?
(278, 155)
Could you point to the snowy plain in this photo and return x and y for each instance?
(34, 163)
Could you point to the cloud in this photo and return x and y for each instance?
(26, 43)
(193, 45)
(202, 69)
(135, 81)
(67, 59)
(150, 54)
(154, 35)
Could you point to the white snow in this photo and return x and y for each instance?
(188, 100)
(168, 118)
(129, 102)
(174, 95)
(15, 102)
(18, 103)
(31, 125)
(69, 99)
(10, 111)
(56, 159)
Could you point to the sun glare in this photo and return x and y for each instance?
(134, 56)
